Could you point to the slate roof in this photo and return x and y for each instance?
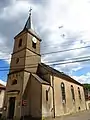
(28, 23)
(59, 74)
(40, 79)
(28, 28)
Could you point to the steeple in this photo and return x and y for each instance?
(29, 27)
(27, 43)
(28, 24)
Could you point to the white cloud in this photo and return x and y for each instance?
(74, 15)
(68, 68)
(77, 68)
(2, 82)
(15, 10)
(4, 50)
(83, 78)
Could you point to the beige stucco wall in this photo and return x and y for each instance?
(29, 44)
(23, 36)
(2, 97)
(9, 87)
(88, 104)
(36, 101)
(70, 107)
(21, 64)
(28, 51)
(47, 106)
(25, 80)
(19, 52)
(33, 96)
(31, 62)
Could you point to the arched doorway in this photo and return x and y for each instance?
(11, 107)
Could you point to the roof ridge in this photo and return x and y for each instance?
(60, 73)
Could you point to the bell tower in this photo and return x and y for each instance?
(24, 62)
(26, 52)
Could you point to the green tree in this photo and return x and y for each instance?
(86, 86)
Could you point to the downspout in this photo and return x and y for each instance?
(21, 110)
(53, 96)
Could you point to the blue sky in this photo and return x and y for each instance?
(3, 74)
(47, 16)
(81, 71)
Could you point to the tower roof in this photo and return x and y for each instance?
(29, 27)
(28, 24)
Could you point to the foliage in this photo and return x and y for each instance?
(87, 86)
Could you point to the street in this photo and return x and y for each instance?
(85, 115)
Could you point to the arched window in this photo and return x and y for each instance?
(20, 43)
(72, 92)
(33, 45)
(63, 92)
(17, 60)
(79, 94)
(14, 82)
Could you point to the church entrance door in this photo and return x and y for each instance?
(11, 107)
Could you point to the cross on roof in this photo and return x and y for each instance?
(30, 11)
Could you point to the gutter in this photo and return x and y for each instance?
(53, 96)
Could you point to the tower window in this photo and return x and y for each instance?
(17, 60)
(14, 82)
(46, 95)
(20, 43)
(33, 45)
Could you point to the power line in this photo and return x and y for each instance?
(66, 50)
(19, 57)
(62, 43)
(69, 59)
(70, 62)
(51, 64)
(50, 61)
(16, 68)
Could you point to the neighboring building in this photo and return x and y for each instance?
(87, 97)
(35, 89)
(2, 91)
(87, 94)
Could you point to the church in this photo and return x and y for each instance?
(35, 89)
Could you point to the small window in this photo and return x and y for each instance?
(46, 95)
(17, 60)
(20, 43)
(33, 45)
(14, 82)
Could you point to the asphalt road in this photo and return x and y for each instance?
(85, 115)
